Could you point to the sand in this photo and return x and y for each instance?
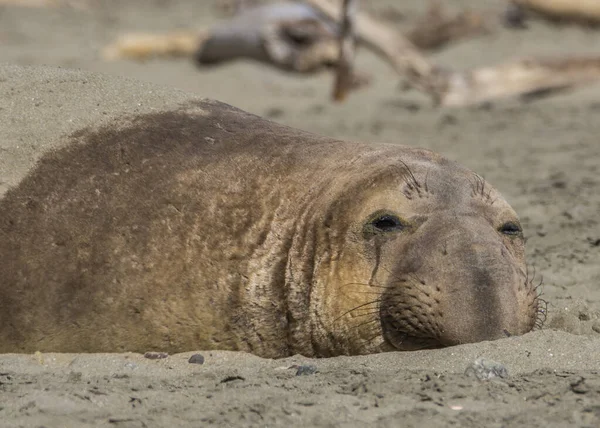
(543, 156)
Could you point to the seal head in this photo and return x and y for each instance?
(421, 253)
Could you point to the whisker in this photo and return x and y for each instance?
(366, 314)
(366, 285)
(541, 314)
(358, 307)
(410, 173)
(482, 180)
(415, 277)
(376, 336)
(374, 320)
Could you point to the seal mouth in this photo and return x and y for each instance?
(397, 337)
(405, 342)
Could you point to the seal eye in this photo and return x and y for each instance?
(383, 222)
(387, 223)
(510, 228)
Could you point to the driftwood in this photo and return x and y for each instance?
(289, 36)
(294, 37)
(578, 11)
(435, 29)
(385, 41)
(527, 78)
(142, 46)
(454, 88)
(343, 75)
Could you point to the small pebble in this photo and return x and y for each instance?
(306, 370)
(484, 369)
(156, 355)
(578, 386)
(196, 359)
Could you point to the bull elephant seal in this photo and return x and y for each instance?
(188, 224)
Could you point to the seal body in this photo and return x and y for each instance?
(200, 226)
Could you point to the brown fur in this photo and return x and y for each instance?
(205, 227)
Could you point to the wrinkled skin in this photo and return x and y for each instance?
(204, 227)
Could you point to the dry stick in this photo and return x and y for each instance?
(445, 88)
(344, 71)
(388, 43)
(583, 11)
(451, 88)
(140, 46)
(528, 77)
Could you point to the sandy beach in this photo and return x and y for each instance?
(543, 156)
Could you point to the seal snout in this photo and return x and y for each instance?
(486, 299)
(476, 291)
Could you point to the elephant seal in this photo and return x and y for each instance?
(292, 37)
(138, 218)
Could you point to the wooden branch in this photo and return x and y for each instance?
(392, 46)
(452, 88)
(525, 78)
(306, 46)
(289, 36)
(143, 46)
(344, 70)
(581, 11)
